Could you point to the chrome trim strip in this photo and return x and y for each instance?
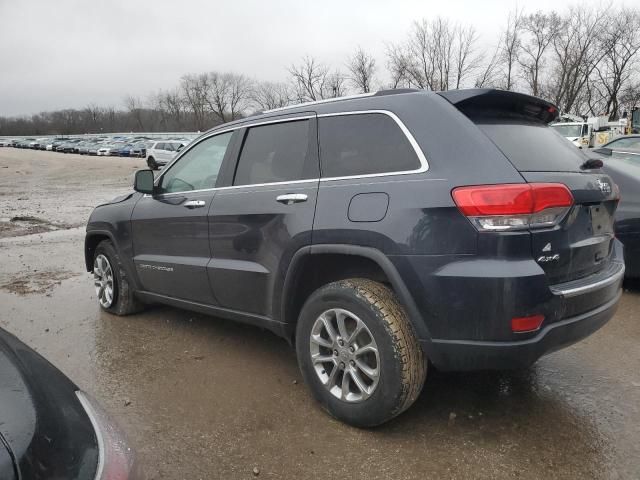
(572, 292)
(424, 164)
(88, 408)
(320, 102)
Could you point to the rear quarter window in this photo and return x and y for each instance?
(531, 146)
(363, 144)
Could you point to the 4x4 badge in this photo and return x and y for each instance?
(605, 187)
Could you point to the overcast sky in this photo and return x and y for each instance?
(69, 53)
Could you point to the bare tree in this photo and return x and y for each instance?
(228, 95)
(510, 48)
(437, 55)
(621, 42)
(540, 30)
(362, 68)
(466, 61)
(270, 95)
(397, 66)
(134, 105)
(577, 48)
(195, 89)
(310, 79)
(335, 85)
(488, 75)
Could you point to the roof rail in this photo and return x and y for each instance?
(326, 100)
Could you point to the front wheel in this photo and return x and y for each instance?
(358, 352)
(151, 162)
(113, 289)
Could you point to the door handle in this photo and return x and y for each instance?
(291, 198)
(194, 204)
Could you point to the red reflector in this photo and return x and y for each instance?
(526, 324)
(511, 199)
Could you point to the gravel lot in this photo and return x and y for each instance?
(203, 398)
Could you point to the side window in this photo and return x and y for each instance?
(159, 146)
(363, 144)
(198, 168)
(275, 153)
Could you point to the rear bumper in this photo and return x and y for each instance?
(480, 355)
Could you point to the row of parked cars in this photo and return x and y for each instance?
(158, 152)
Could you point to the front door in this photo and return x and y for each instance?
(170, 229)
(257, 224)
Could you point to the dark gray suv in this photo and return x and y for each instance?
(379, 235)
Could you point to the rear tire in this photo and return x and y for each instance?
(113, 288)
(385, 378)
(151, 162)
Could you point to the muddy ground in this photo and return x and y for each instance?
(204, 398)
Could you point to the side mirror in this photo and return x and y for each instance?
(143, 181)
(604, 151)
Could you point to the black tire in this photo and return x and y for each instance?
(402, 363)
(124, 301)
(151, 162)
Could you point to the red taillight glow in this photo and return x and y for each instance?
(513, 206)
(526, 324)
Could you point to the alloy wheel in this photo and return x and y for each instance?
(345, 355)
(103, 280)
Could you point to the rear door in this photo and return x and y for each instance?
(266, 215)
(170, 229)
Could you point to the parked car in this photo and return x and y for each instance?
(51, 429)
(6, 142)
(139, 149)
(375, 233)
(105, 150)
(162, 152)
(623, 166)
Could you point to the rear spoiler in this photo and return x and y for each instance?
(487, 102)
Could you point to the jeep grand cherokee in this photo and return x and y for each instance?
(379, 235)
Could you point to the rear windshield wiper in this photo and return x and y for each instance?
(591, 164)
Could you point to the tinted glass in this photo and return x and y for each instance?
(274, 153)
(198, 168)
(533, 146)
(631, 142)
(363, 144)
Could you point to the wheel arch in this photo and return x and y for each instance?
(91, 242)
(295, 291)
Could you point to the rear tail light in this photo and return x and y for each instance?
(116, 460)
(514, 206)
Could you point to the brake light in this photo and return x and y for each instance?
(526, 324)
(514, 206)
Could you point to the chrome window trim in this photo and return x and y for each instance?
(424, 164)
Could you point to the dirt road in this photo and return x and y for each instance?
(203, 398)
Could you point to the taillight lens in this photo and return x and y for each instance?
(514, 206)
(116, 460)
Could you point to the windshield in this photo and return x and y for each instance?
(568, 130)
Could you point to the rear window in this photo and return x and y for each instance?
(533, 147)
(363, 144)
